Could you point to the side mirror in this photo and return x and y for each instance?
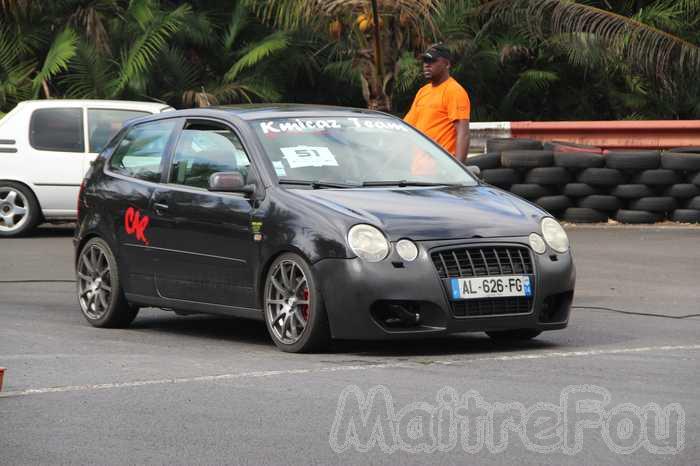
(474, 170)
(229, 182)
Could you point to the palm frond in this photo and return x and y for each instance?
(654, 50)
(91, 75)
(246, 91)
(257, 52)
(237, 22)
(144, 51)
(294, 14)
(57, 59)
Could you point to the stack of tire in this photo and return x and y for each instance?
(584, 184)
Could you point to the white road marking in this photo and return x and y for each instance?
(414, 364)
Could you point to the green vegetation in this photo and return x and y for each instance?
(519, 59)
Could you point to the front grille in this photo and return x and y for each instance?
(483, 261)
(491, 306)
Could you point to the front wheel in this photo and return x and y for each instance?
(294, 310)
(514, 335)
(100, 294)
(19, 210)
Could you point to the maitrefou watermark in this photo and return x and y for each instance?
(369, 420)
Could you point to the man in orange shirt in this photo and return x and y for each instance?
(441, 108)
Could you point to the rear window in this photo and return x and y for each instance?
(57, 129)
(103, 124)
(140, 152)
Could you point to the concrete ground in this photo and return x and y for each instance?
(203, 390)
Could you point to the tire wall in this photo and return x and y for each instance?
(587, 184)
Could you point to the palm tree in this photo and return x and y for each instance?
(369, 35)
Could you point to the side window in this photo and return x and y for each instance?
(140, 153)
(205, 148)
(57, 129)
(104, 123)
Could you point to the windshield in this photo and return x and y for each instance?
(356, 151)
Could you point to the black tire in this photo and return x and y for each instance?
(315, 336)
(694, 178)
(633, 160)
(683, 191)
(530, 191)
(116, 312)
(485, 161)
(601, 176)
(693, 203)
(563, 146)
(501, 177)
(579, 190)
(577, 160)
(19, 210)
(632, 191)
(548, 176)
(680, 160)
(654, 204)
(522, 334)
(635, 217)
(658, 177)
(554, 204)
(600, 202)
(686, 215)
(502, 144)
(584, 215)
(526, 158)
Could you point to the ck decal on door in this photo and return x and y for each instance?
(136, 224)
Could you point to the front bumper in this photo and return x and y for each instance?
(355, 293)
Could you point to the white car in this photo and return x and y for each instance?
(46, 147)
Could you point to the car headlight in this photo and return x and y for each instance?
(554, 235)
(368, 243)
(537, 243)
(407, 249)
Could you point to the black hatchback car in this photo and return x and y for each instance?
(324, 222)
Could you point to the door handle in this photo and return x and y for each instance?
(159, 206)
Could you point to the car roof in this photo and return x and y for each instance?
(94, 103)
(263, 111)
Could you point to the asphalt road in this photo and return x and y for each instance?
(203, 390)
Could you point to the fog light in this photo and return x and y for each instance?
(407, 249)
(537, 243)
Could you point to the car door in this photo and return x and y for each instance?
(135, 170)
(205, 255)
(102, 125)
(56, 152)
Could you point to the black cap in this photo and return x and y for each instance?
(436, 51)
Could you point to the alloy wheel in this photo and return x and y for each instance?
(94, 282)
(14, 209)
(287, 302)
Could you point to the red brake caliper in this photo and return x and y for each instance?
(305, 307)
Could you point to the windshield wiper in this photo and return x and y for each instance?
(402, 183)
(317, 184)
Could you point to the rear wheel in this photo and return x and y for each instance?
(294, 310)
(19, 210)
(514, 335)
(100, 294)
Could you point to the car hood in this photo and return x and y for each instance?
(433, 213)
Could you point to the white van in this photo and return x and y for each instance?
(46, 147)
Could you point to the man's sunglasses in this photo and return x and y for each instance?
(429, 60)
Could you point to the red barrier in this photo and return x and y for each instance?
(614, 134)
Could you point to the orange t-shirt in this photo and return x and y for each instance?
(436, 108)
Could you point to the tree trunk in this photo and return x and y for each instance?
(45, 86)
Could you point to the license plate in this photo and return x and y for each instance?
(491, 287)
